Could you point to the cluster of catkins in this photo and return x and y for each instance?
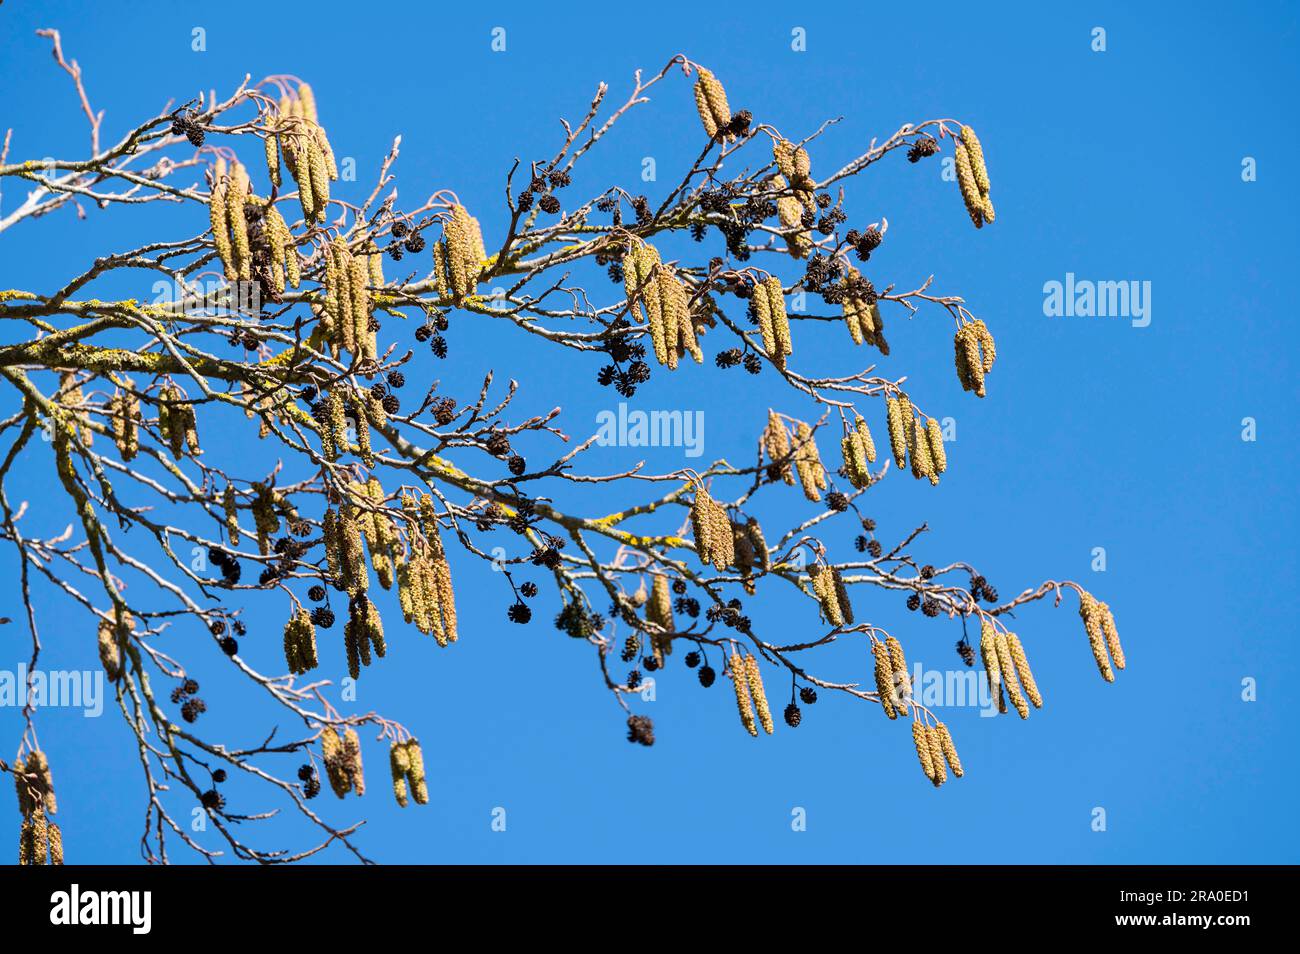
(893, 684)
(297, 135)
(40, 840)
(1007, 669)
(300, 642)
(773, 323)
(862, 313)
(424, 588)
(975, 354)
(911, 438)
(346, 319)
(802, 453)
(656, 294)
(934, 747)
(832, 595)
(711, 101)
(1099, 623)
(124, 417)
(342, 755)
(723, 543)
(459, 256)
(177, 423)
(859, 451)
(331, 415)
(750, 696)
(237, 216)
(407, 764)
(973, 178)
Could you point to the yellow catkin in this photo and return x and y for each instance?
(56, 844)
(352, 753)
(970, 194)
(1112, 635)
(399, 763)
(884, 673)
(271, 147)
(27, 844)
(109, 656)
(976, 152)
(763, 311)
(743, 704)
(898, 663)
(1023, 671)
(754, 680)
(864, 438)
(219, 219)
(989, 658)
(812, 476)
(934, 438)
(988, 351)
(659, 611)
(419, 785)
(1092, 624)
(780, 320)
(776, 442)
(921, 739)
(789, 211)
(307, 102)
(949, 749)
(300, 166)
(318, 173)
(897, 431)
(922, 464)
(236, 194)
(842, 596)
(935, 743)
(462, 255)
(823, 584)
(1007, 666)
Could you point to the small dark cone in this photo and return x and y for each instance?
(793, 716)
(640, 729)
(707, 675)
(692, 659)
(807, 695)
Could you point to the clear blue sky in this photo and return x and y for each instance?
(1122, 165)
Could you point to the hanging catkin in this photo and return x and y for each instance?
(109, 656)
(659, 612)
(919, 446)
(808, 463)
(1111, 634)
(970, 193)
(884, 673)
(1090, 611)
(237, 192)
(897, 430)
(702, 524)
(790, 212)
(935, 743)
(938, 457)
(399, 764)
(949, 749)
(1007, 666)
(823, 583)
(898, 665)
(219, 219)
(776, 442)
(979, 171)
(300, 642)
(754, 681)
(921, 739)
(743, 704)
(992, 666)
(1023, 671)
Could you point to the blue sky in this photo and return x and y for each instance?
(1116, 165)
